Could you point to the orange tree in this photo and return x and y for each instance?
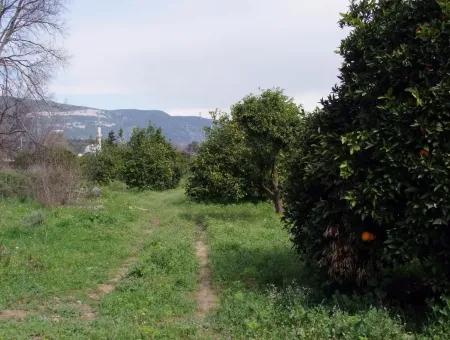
(150, 161)
(243, 157)
(223, 169)
(368, 190)
(270, 122)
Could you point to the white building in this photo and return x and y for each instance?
(94, 148)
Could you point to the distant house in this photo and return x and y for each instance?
(91, 148)
(94, 148)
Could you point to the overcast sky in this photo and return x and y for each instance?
(192, 56)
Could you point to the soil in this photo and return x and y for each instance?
(13, 314)
(206, 297)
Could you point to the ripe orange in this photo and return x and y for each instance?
(367, 236)
(424, 153)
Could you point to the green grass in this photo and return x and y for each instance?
(50, 259)
(264, 291)
(73, 248)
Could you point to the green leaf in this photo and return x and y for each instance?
(439, 221)
(415, 93)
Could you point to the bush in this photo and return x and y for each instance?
(221, 171)
(54, 175)
(54, 185)
(440, 320)
(243, 157)
(150, 161)
(147, 161)
(368, 191)
(52, 156)
(13, 184)
(34, 219)
(270, 123)
(106, 165)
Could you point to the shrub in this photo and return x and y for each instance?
(270, 122)
(52, 156)
(54, 175)
(24, 159)
(151, 162)
(54, 185)
(106, 165)
(222, 171)
(244, 154)
(368, 189)
(34, 219)
(439, 327)
(13, 184)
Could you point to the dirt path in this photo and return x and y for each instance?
(108, 287)
(87, 311)
(206, 297)
(18, 314)
(103, 289)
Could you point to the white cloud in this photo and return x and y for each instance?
(200, 53)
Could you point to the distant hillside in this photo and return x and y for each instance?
(81, 122)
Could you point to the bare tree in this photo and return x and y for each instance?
(29, 31)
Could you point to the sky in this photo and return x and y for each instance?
(188, 57)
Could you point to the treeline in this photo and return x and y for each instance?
(51, 173)
(146, 161)
(364, 182)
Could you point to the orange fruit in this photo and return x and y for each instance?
(367, 236)
(424, 153)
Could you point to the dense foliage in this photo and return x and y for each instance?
(49, 155)
(106, 165)
(369, 189)
(222, 170)
(151, 162)
(270, 123)
(243, 153)
(49, 174)
(146, 161)
(13, 184)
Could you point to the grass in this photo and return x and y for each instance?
(265, 294)
(51, 259)
(74, 248)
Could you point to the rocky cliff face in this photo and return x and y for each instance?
(81, 122)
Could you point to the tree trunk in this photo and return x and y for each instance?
(276, 196)
(278, 202)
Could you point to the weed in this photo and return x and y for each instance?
(263, 288)
(34, 219)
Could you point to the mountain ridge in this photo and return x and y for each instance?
(81, 122)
